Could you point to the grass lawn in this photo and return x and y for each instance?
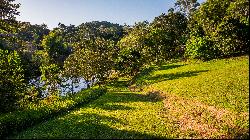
(178, 100)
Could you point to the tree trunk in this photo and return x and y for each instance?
(87, 82)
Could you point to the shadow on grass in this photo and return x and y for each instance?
(31, 117)
(96, 126)
(86, 126)
(125, 97)
(170, 66)
(146, 73)
(114, 107)
(118, 84)
(164, 77)
(90, 125)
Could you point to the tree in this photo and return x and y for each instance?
(71, 71)
(93, 61)
(168, 36)
(104, 29)
(8, 24)
(8, 10)
(11, 80)
(226, 28)
(30, 37)
(133, 50)
(187, 6)
(54, 45)
(51, 78)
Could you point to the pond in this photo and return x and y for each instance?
(65, 87)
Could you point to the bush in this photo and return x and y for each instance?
(36, 113)
(200, 48)
(227, 28)
(11, 80)
(129, 61)
(232, 37)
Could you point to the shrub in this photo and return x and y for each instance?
(227, 28)
(36, 113)
(11, 80)
(200, 48)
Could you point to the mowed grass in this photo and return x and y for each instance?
(178, 100)
(205, 99)
(120, 114)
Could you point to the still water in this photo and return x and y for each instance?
(65, 87)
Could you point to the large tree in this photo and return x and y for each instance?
(93, 61)
(187, 6)
(219, 32)
(133, 49)
(8, 24)
(55, 47)
(168, 35)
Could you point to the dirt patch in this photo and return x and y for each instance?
(155, 96)
(194, 119)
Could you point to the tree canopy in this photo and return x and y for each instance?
(96, 50)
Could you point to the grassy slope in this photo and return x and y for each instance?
(13, 122)
(213, 96)
(201, 100)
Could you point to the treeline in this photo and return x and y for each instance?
(101, 51)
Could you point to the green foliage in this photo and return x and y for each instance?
(69, 33)
(168, 36)
(8, 24)
(133, 50)
(187, 6)
(104, 29)
(200, 48)
(8, 9)
(11, 80)
(36, 113)
(226, 27)
(129, 61)
(93, 60)
(53, 45)
(31, 35)
(51, 78)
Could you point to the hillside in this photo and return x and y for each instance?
(177, 100)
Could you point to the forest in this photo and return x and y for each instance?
(38, 64)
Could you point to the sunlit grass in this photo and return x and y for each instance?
(114, 115)
(223, 83)
(198, 100)
(13, 122)
(213, 95)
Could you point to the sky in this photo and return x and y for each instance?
(75, 12)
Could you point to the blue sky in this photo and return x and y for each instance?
(75, 12)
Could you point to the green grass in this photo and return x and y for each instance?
(13, 122)
(217, 90)
(114, 115)
(223, 83)
(179, 100)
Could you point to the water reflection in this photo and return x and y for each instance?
(65, 87)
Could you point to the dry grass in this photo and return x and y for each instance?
(193, 119)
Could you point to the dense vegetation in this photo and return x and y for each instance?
(170, 104)
(102, 52)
